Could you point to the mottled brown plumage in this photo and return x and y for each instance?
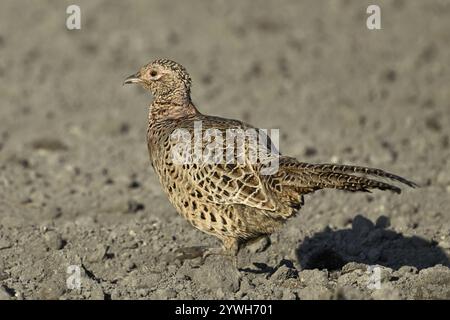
(232, 201)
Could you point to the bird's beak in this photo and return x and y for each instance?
(134, 78)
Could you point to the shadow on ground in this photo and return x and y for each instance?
(370, 244)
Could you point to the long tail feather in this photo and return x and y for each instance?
(310, 177)
(362, 170)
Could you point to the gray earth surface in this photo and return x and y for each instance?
(76, 187)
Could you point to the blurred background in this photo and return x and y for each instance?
(75, 181)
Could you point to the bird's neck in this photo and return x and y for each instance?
(179, 95)
(161, 110)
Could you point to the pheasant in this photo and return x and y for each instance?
(236, 201)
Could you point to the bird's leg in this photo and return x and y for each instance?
(231, 245)
(229, 248)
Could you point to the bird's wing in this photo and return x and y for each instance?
(224, 181)
(233, 184)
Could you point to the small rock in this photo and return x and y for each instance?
(315, 292)
(283, 273)
(97, 293)
(51, 290)
(53, 240)
(134, 206)
(172, 269)
(313, 277)
(220, 294)
(130, 265)
(288, 294)
(217, 275)
(444, 244)
(3, 275)
(166, 294)
(181, 276)
(55, 212)
(277, 293)
(405, 270)
(142, 292)
(386, 293)
(98, 253)
(352, 266)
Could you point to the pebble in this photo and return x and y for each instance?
(220, 294)
(352, 266)
(315, 292)
(288, 294)
(142, 292)
(166, 293)
(406, 270)
(98, 253)
(97, 294)
(130, 265)
(313, 277)
(386, 293)
(53, 240)
(444, 244)
(214, 277)
(284, 273)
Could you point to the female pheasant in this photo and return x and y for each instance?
(235, 201)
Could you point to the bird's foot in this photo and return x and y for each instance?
(213, 252)
(203, 252)
(188, 253)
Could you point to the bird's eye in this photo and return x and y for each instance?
(153, 73)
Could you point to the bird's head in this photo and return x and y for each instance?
(167, 80)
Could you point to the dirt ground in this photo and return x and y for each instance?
(76, 187)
